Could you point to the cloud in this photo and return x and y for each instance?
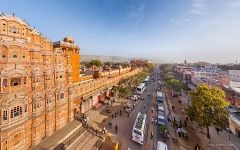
(136, 13)
(198, 7)
(235, 4)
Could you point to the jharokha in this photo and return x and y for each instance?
(40, 84)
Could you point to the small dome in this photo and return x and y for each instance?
(68, 39)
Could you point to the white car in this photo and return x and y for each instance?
(128, 107)
(162, 146)
(160, 107)
(134, 97)
(161, 120)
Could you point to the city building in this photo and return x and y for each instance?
(234, 75)
(139, 63)
(40, 84)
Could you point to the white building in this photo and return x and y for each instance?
(234, 75)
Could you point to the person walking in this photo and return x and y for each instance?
(155, 121)
(151, 134)
(116, 128)
(197, 147)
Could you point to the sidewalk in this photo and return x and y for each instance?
(173, 145)
(194, 137)
(58, 137)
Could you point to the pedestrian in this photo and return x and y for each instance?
(186, 118)
(112, 116)
(197, 147)
(151, 134)
(96, 132)
(115, 114)
(218, 130)
(103, 130)
(116, 128)
(144, 106)
(179, 132)
(110, 125)
(155, 121)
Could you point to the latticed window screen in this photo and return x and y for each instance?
(61, 95)
(25, 80)
(16, 111)
(25, 108)
(5, 83)
(15, 81)
(5, 114)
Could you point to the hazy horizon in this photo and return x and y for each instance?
(170, 31)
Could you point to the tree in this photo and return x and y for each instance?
(175, 84)
(124, 92)
(150, 67)
(96, 63)
(208, 108)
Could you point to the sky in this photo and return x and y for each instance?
(166, 30)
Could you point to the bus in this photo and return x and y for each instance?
(146, 79)
(141, 88)
(139, 128)
(159, 96)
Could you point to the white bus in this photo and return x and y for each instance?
(159, 96)
(146, 79)
(140, 88)
(139, 127)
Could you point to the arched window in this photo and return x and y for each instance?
(14, 29)
(16, 111)
(5, 83)
(49, 100)
(25, 80)
(5, 115)
(16, 81)
(25, 108)
(61, 95)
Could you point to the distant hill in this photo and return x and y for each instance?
(88, 58)
(116, 59)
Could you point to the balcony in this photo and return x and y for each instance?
(66, 44)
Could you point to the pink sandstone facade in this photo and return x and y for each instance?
(40, 88)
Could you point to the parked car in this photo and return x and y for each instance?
(160, 107)
(108, 111)
(128, 107)
(135, 97)
(161, 120)
(162, 146)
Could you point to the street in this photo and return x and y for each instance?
(125, 124)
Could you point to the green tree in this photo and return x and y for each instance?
(208, 108)
(150, 67)
(175, 84)
(96, 63)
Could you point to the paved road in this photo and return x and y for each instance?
(125, 124)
